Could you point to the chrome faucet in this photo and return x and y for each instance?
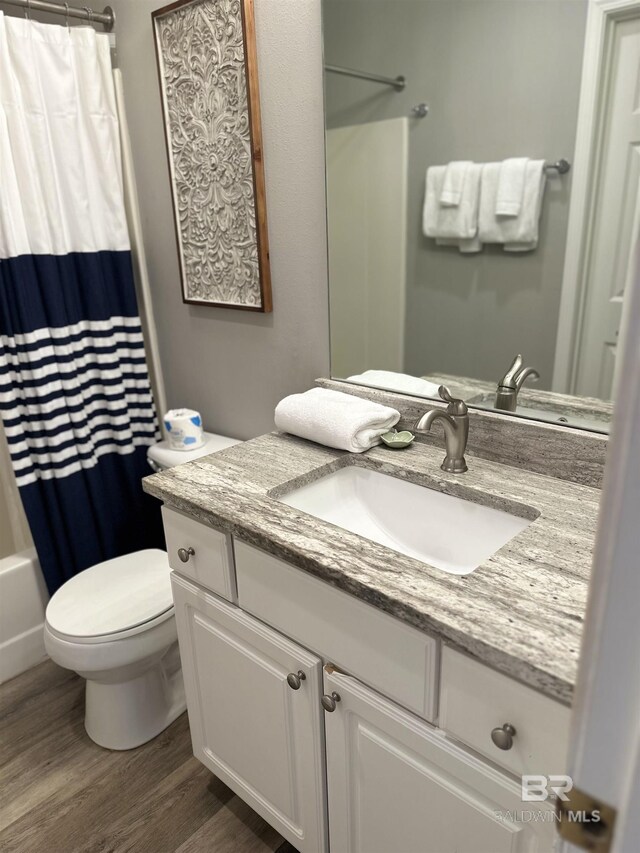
(455, 421)
(511, 383)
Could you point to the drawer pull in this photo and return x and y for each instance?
(329, 702)
(185, 553)
(502, 736)
(295, 679)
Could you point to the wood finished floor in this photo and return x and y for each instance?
(60, 793)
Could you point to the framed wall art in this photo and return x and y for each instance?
(206, 51)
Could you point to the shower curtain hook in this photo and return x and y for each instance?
(66, 15)
(89, 13)
(27, 10)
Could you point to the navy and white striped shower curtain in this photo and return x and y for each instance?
(75, 396)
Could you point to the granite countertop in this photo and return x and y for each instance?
(520, 612)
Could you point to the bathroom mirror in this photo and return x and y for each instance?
(423, 83)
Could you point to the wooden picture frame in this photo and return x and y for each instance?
(208, 75)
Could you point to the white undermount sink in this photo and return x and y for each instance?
(444, 531)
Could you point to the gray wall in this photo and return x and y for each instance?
(502, 79)
(234, 366)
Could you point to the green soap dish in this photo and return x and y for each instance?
(398, 440)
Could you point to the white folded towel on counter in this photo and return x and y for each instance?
(517, 233)
(403, 383)
(453, 182)
(451, 223)
(510, 190)
(335, 419)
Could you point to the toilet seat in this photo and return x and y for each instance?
(113, 600)
(116, 635)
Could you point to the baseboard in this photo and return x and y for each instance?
(21, 653)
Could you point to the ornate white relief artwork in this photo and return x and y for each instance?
(208, 79)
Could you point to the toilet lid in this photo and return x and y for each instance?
(113, 596)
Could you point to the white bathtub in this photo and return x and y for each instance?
(23, 599)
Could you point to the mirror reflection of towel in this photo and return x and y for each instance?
(403, 383)
(510, 192)
(517, 233)
(451, 223)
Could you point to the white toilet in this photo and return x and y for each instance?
(114, 625)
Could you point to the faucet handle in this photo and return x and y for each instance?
(456, 406)
(509, 379)
(516, 375)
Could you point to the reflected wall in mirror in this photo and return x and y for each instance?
(445, 273)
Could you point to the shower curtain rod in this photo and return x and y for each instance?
(107, 17)
(398, 83)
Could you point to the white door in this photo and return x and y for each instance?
(366, 218)
(397, 785)
(616, 216)
(248, 726)
(604, 754)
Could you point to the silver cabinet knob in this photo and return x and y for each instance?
(185, 553)
(295, 679)
(329, 702)
(502, 736)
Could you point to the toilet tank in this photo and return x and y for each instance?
(161, 456)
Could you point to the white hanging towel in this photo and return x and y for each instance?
(517, 233)
(453, 182)
(511, 186)
(335, 419)
(455, 225)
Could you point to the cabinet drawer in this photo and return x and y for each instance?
(397, 660)
(211, 564)
(475, 699)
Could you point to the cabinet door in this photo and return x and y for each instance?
(397, 784)
(263, 738)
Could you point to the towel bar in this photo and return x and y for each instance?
(560, 166)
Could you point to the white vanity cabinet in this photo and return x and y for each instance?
(261, 736)
(396, 783)
(404, 758)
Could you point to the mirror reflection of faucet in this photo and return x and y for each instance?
(511, 383)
